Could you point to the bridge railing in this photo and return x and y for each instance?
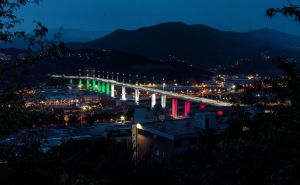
(157, 91)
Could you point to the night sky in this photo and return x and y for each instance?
(108, 15)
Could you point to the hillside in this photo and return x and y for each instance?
(68, 35)
(110, 61)
(196, 44)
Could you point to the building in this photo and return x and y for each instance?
(119, 133)
(162, 139)
(216, 118)
(145, 115)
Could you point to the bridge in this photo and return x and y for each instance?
(107, 86)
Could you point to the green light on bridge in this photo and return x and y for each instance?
(103, 87)
(108, 89)
(80, 84)
(94, 85)
(87, 84)
(99, 87)
(71, 81)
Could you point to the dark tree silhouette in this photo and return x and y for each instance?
(12, 90)
(290, 10)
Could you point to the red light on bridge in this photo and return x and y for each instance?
(174, 108)
(187, 108)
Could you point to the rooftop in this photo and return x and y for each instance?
(174, 129)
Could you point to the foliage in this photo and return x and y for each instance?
(291, 10)
(12, 108)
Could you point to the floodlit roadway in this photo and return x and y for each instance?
(152, 90)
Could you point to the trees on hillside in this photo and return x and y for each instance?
(13, 73)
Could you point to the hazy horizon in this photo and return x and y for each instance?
(109, 15)
(143, 26)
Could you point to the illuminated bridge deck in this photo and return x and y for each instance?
(152, 90)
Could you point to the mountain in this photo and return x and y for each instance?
(112, 61)
(198, 44)
(276, 38)
(75, 35)
(68, 35)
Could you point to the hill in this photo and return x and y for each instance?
(68, 35)
(109, 61)
(198, 44)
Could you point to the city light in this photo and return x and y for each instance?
(122, 118)
(139, 126)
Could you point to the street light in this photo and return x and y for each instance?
(153, 78)
(122, 118)
(87, 73)
(144, 81)
(187, 84)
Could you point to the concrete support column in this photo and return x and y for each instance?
(123, 93)
(163, 101)
(174, 108)
(137, 96)
(80, 84)
(87, 84)
(187, 108)
(94, 85)
(99, 87)
(153, 100)
(103, 87)
(112, 91)
(107, 88)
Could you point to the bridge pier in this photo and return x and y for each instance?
(107, 88)
(123, 93)
(71, 81)
(103, 87)
(112, 90)
(80, 84)
(137, 96)
(99, 87)
(187, 108)
(87, 84)
(174, 108)
(163, 101)
(94, 85)
(153, 100)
